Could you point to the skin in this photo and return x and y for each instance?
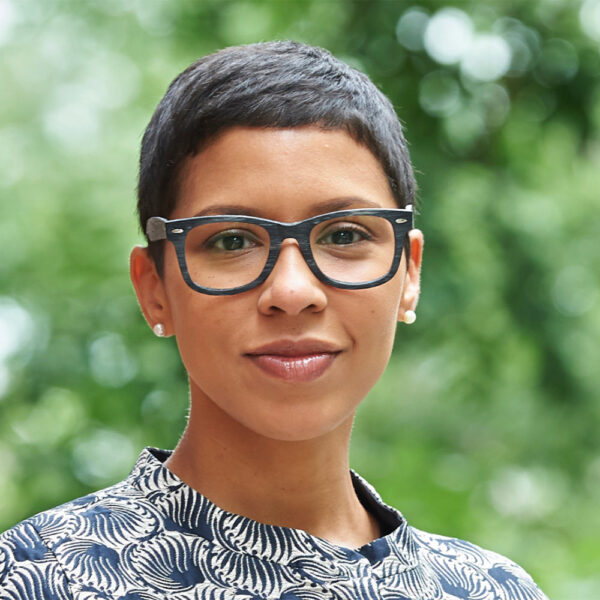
(273, 450)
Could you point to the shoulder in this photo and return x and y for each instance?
(32, 554)
(28, 568)
(460, 565)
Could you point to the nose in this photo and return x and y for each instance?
(291, 287)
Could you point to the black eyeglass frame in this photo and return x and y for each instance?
(176, 230)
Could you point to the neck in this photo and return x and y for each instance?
(300, 484)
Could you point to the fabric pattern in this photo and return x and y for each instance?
(152, 537)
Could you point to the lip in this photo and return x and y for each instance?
(295, 360)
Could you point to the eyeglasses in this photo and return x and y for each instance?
(230, 254)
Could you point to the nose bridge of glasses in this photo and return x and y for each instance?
(286, 234)
(291, 273)
(290, 247)
(290, 243)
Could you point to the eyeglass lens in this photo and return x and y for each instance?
(351, 249)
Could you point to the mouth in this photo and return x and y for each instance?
(301, 361)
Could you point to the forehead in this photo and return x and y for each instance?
(283, 174)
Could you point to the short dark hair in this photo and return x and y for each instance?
(270, 84)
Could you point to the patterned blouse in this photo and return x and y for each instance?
(151, 537)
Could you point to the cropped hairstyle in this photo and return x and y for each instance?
(271, 84)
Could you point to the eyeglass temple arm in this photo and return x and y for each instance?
(156, 229)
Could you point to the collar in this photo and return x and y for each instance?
(185, 510)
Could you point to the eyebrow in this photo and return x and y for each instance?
(315, 209)
(227, 209)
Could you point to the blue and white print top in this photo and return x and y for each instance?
(151, 537)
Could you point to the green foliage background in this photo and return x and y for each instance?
(486, 423)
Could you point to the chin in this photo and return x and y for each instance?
(297, 429)
(287, 414)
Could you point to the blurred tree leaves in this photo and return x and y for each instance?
(486, 423)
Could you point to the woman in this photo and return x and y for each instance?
(276, 193)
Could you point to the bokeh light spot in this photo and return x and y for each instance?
(526, 494)
(73, 125)
(411, 28)
(102, 456)
(589, 17)
(558, 62)
(53, 418)
(575, 290)
(495, 101)
(110, 362)
(439, 93)
(16, 333)
(488, 58)
(7, 20)
(16, 327)
(464, 128)
(448, 35)
(154, 17)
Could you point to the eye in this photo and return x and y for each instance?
(342, 234)
(232, 240)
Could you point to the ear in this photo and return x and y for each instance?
(150, 289)
(412, 280)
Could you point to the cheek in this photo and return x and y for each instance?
(195, 322)
(200, 326)
(383, 306)
(380, 332)
(373, 327)
(210, 331)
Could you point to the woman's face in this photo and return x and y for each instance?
(292, 358)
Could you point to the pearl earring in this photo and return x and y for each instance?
(410, 316)
(159, 330)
